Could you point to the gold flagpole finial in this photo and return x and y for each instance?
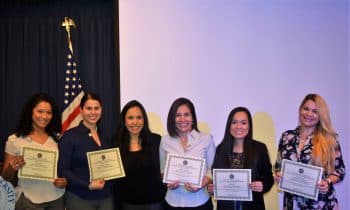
(67, 23)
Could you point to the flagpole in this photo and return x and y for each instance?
(67, 23)
(73, 90)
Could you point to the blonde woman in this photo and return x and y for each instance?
(313, 142)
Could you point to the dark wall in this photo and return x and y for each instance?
(33, 55)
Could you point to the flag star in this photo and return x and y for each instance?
(66, 94)
(73, 94)
(74, 64)
(66, 101)
(68, 71)
(74, 71)
(69, 63)
(69, 56)
(79, 86)
(73, 86)
(66, 86)
(67, 79)
(74, 78)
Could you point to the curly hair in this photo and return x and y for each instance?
(25, 126)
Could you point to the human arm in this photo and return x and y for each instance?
(278, 163)
(337, 175)
(162, 159)
(67, 147)
(265, 178)
(11, 165)
(12, 158)
(209, 159)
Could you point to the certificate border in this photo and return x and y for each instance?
(242, 198)
(201, 172)
(21, 174)
(122, 172)
(319, 174)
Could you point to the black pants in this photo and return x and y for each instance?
(207, 206)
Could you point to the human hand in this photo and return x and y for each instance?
(60, 182)
(97, 184)
(173, 185)
(323, 186)
(277, 177)
(17, 162)
(210, 188)
(191, 188)
(206, 180)
(256, 186)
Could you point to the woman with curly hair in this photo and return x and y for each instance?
(38, 127)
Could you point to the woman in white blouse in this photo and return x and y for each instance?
(185, 139)
(39, 125)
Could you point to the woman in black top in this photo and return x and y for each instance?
(142, 187)
(238, 150)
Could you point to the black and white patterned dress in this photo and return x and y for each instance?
(289, 149)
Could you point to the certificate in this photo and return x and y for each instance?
(300, 179)
(40, 164)
(184, 169)
(232, 184)
(105, 164)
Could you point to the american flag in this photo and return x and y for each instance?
(73, 92)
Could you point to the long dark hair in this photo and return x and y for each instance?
(123, 140)
(25, 126)
(226, 146)
(171, 124)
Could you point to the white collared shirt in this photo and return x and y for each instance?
(200, 145)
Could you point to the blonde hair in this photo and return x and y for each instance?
(324, 140)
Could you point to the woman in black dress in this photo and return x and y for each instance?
(142, 188)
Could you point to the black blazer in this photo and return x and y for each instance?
(256, 157)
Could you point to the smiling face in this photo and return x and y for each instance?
(41, 115)
(183, 119)
(239, 125)
(309, 116)
(91, 113)
(134, 120)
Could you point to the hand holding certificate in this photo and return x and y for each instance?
(40, 164)
(184, 169)
(300, 179)
(232, 184)
(105, 164)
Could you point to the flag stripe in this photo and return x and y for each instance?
(73, 92)
(72, 106)
(73, 115)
